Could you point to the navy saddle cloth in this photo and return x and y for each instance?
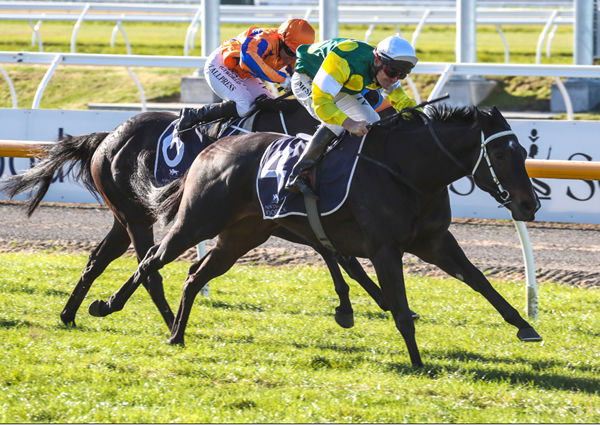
(174, 158)
(335, 176)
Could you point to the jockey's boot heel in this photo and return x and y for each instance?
(299, 178)
(302, 183)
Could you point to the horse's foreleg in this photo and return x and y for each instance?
(232, 243)
(344, 314)
(113, 245)
(356, 272)
(445, 253)
(388, 266)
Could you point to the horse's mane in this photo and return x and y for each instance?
(435, 113)
(445, 113)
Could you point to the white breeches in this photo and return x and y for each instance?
(353, 105)
(228, 85)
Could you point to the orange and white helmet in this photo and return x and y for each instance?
(295, 32)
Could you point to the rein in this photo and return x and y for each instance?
(502, 193)
(389, 169)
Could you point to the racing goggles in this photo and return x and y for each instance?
(287, 50)
(396, 69)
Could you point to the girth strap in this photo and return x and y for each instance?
(314, 217)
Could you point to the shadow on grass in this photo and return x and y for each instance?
(537, 377)
(57, 292)
(538, 365)
(239, 306)
(8, 324)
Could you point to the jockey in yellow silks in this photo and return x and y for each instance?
(328, 80)
(235, 71)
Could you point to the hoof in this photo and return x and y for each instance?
(528, 335)
(98, 308)
(68, 321)
(176, 341)
(415, 316)
(345, 320)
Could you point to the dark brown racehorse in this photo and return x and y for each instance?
(107, 164)
(398, 202)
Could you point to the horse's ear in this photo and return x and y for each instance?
(496, 114)
(481, 115)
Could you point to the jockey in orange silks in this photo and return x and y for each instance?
(235, 71)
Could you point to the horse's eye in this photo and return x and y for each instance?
(500, 156)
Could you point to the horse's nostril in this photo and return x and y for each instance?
(530, 205)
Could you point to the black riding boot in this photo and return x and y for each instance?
(189, 117)
(298, 181)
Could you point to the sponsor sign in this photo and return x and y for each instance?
(50, 125)
(575, 201)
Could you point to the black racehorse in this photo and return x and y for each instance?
(398, 202)
(107, 164)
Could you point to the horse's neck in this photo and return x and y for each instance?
(425, 164)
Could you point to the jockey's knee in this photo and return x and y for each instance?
(243, 108)
(337, 129)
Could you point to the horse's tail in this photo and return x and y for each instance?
(168, 200)
(76, 149)
(160, 202)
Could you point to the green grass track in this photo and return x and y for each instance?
(265, 348)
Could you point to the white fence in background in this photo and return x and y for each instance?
(35, 13)
(55, 59)
(403, 3)
(443, 69)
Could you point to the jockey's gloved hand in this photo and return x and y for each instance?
(358, 128)
(287, 83)
(263, 101)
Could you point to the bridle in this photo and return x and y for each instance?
(502, 193)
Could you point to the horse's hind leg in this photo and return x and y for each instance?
(113, 245)
(181, 236)
(142, 237)
(445, 253)
(232, 243)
